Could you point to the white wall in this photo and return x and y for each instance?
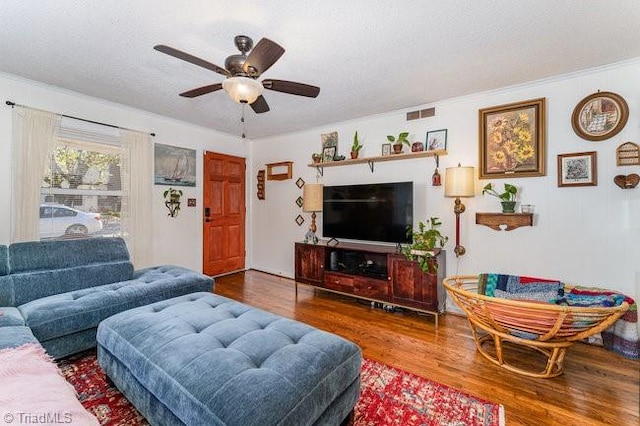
(176, 240)
(585, 235)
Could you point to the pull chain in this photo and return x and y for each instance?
(242, 122)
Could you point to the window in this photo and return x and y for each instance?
(82, 189)
(72, 178)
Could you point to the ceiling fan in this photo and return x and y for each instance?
(242, 71)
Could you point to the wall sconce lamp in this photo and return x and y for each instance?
(458, 182)
(312, 202)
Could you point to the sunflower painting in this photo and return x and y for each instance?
(512, 140)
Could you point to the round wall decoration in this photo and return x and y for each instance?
(600, 116)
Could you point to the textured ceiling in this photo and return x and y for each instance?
(367, 57)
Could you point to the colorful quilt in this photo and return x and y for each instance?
(519, 288)
(622, 337)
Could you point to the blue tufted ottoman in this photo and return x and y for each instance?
(203, 359)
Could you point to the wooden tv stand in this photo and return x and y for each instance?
(372, 272)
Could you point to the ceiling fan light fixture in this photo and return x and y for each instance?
(242, 89)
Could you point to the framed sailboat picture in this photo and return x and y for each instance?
(174, 165)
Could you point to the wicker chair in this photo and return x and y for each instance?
(547, 328)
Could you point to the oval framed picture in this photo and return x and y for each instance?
(600, 116)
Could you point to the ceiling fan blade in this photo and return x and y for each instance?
(291, 87)
(262, 56)
(260, 105)
(201, 90)
(191, 59)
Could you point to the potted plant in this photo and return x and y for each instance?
(172, 201)
(397, 142)
(426, 242)
(316, 157)
(507, 198)
(356, 146)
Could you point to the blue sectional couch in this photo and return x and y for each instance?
(57, 292)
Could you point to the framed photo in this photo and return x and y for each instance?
(329, 140)
(328, 153)
(417, 147)
(174, 166)
(579, 169)
(512, 140)
(386, 149)
(436, 140)
(600, 116)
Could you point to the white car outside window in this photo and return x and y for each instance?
(58, 220)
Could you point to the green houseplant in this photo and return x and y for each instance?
(424, 240)
(356, 146)
(507, 198)
(397, 142)
(172, 201)
(316, 157)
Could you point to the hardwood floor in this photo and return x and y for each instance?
(598, 387)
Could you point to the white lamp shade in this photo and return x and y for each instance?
(458, 182)
(312, 197)
(242, 89)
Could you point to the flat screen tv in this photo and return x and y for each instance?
(377, 212)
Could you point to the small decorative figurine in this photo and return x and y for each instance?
(436, 178)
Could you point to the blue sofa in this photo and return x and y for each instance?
(57, 292)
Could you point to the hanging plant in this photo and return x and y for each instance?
(172, 201)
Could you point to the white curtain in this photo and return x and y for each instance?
(32, 144)
(137, 173)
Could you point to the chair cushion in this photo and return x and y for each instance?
(211, 360)
(67, 313)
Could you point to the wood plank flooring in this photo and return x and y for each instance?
(598, 386)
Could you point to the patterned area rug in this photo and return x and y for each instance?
(94, 392)
(389, 396)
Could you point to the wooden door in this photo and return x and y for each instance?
(224, 214)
